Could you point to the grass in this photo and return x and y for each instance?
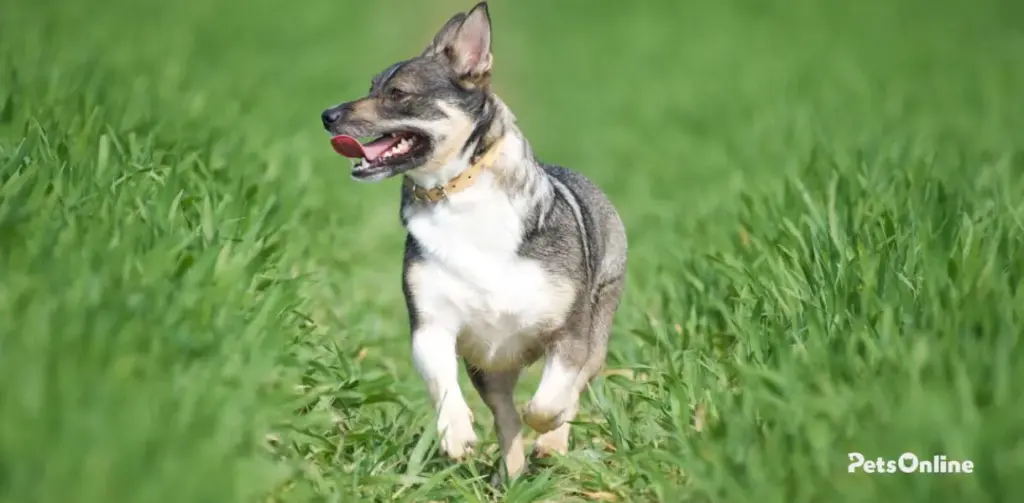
(825, 204)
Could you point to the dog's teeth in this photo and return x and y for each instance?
(399, 148)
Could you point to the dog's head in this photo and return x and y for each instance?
(423, 112)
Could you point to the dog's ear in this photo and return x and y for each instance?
(465, 41)
(445, 35)
(469, 49)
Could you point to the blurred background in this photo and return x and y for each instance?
(198, 304)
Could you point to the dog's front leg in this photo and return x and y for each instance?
(556, 400)
(434, 353)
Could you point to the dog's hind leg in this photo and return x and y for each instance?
(570, 367)
(496, 389)
(609, 294)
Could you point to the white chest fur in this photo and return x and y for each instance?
(472, 281)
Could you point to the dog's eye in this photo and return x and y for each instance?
(396, 93)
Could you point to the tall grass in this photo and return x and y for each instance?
(825, 206)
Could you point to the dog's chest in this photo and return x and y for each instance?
(471, 279)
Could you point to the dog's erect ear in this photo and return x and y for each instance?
(445, 34)
(469, 51)
(465, 40)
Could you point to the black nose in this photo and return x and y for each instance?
(330, 116)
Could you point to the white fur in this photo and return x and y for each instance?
(556, 396)
(473, 282)
(475, 296)
(439, 368)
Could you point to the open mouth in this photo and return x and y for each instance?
(374, 157)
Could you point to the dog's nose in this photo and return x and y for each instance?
(330, 116)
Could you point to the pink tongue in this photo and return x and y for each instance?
(351, 148)
(347, 146)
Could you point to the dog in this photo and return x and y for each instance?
(507, 259)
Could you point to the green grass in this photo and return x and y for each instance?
(825, 202)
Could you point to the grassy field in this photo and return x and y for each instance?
(825, 202)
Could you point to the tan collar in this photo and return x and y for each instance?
(461, 182)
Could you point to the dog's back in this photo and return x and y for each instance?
(602, 228)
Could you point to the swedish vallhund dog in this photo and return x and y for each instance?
(507, 259)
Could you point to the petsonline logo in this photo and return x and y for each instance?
(909, 462)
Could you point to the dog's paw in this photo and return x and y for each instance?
(544, 418)
(554, 442)
(455, 428)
